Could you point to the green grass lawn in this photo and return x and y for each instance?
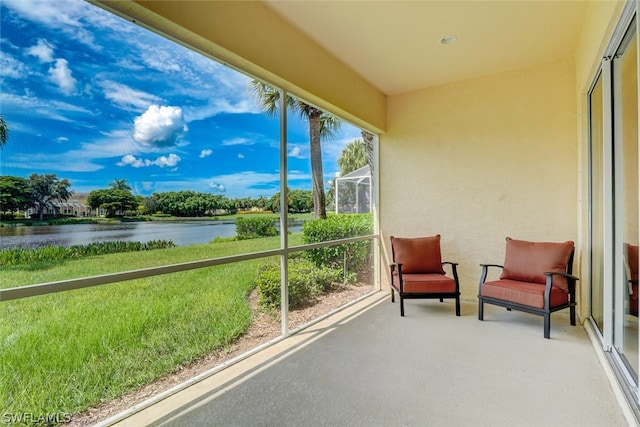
(66, 352)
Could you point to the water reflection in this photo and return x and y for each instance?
(181, 233)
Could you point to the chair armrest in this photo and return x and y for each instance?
(571, 283)
(491, 265)
(557, 273)
(454, 270)
(485, 270)
(396, 266)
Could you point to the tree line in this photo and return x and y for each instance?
(44, 192)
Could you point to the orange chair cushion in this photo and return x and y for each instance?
(528, 261)
(418, 255)
(424, 283)
(525, 293)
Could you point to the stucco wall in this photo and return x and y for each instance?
(479, 160)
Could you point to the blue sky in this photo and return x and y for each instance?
(91, 97)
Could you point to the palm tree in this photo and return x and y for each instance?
(321, 126)
(4, 132)
(368, 146)
(120, 184)
(352, 157)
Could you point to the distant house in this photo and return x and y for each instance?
(74, 208)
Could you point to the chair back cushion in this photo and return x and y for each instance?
(419, 255)
(632, 260)
(528, 261)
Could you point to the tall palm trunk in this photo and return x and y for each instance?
(317, 177)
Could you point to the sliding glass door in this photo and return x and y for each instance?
(613, 201)
(625, 127)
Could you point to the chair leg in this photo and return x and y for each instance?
(547, 325)
(458, 306)
(480, 309)
(392, 295)
(572, 315)
(441, 299)
(401, 306)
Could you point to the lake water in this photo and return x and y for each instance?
(180, 232)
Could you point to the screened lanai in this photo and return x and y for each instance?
(509, 142)
(353, 191)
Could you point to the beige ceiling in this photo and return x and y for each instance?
(395, 45)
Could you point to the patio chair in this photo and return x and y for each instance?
(536, 278)
(631, 256)
(416, 271)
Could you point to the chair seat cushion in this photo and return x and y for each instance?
(525, 293)
(424, 283)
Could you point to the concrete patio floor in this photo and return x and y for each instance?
(367, 366)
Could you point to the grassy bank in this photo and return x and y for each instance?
(64, 352)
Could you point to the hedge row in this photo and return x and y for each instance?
(317, 270)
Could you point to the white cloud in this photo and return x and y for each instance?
(129, 64)
(53, 14)
(40, 106)
(296, 151)
(159, 126)
(69, 16)
(217, 187)
(73, 161)
(238, 141)
(216, 105)
(62, 139)
(205, 153)
(10, 67)
(81, 159)
(161, 60)
(60, 74)
(169, 161)
(126, 97)
(240, 156)
(43, 51)
(131, 161)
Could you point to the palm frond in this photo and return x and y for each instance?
(4, 132)
(268, 97)
(329, 126)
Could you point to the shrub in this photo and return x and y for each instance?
(251, 228)
(338, 227)
(17, 256)
(306, 283)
